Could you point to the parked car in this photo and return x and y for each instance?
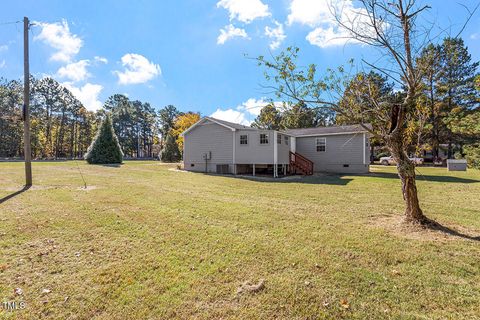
(386, 161)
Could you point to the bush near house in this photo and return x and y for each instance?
(472, 153)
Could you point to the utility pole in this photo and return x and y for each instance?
(26, 106)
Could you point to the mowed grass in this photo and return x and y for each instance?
(147, 242)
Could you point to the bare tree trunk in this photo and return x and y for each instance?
(406, 172)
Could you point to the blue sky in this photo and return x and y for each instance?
(189, 53)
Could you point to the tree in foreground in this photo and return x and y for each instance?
(105, 148)
(391, 27)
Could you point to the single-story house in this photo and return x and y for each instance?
(218, 146)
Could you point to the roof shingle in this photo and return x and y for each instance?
(327, 130)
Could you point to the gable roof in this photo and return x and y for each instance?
(229, 125)
(356, 128)
(349, 129)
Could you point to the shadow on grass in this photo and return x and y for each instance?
(435, 226)
(422, 177)
(16, 193)
(341, 179)
(111, 165)
(327, 179)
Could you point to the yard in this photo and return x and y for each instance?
(144, 241)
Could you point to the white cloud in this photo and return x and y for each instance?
(3, 47)
(245, 113)
(276, 34)
(319, 14)
(230, 32)
(231, 115)
(137, 69)
(309, 12)
(253, 106)
(88, 94)
(245, 10)
(2, 64)
(327, 37)
(100, 59)
(75, 71)
(58, 36)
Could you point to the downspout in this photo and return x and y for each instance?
(364, 148)
(234, 154)
(275, 154)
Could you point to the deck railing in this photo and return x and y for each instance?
(299, 163)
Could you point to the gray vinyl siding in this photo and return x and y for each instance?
(367, 149)
(342, 149)
(283, 150)
(207, 137)
(253, 152)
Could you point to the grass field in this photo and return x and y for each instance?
(146, 242)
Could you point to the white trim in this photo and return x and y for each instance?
(275, 147)
(326, 134)
(364, 149)
(260, 138)
(221, 124)
(203, 120)
(316, 144)
(234, 160)
(240, 139)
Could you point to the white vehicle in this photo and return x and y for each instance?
(386, 161)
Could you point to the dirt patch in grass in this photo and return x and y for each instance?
(178, 170)
(396, 225)
(87, 188)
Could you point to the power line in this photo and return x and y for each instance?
(11, 22)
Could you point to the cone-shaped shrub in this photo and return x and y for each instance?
(105, 147)
(170, 152)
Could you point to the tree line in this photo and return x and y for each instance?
(447, 103)
(62, 128)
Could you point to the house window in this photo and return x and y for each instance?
(243, 139)
(286, 140)
(321, 144)
(263, 138)
(279, 138)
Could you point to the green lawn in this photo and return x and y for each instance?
(147, 242)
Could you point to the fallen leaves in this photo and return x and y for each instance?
(18, 291)
(344, 303)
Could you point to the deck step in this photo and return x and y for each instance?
(301, 164)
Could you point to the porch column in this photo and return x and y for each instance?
(254, 169)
